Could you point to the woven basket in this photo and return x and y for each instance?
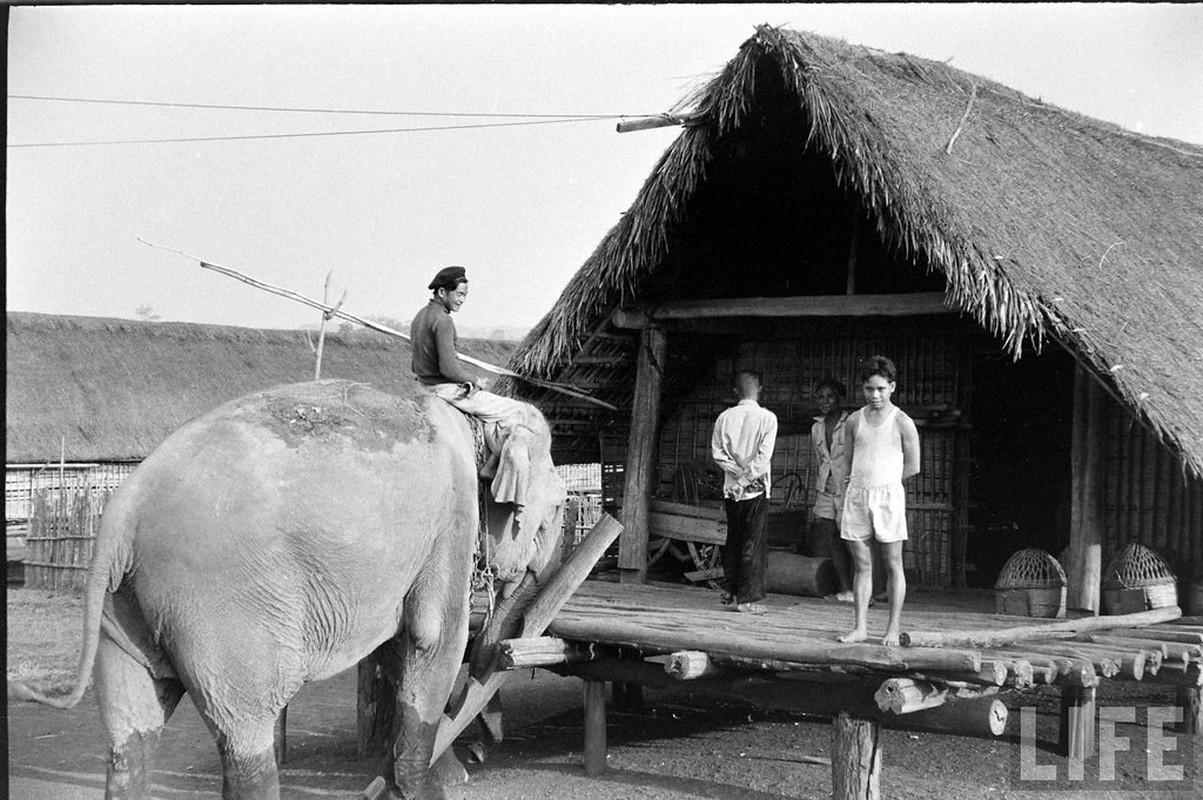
(1138, 579)
(1031, 584)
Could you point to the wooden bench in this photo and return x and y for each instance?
(700, 524)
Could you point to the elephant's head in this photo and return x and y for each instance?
(532, 541)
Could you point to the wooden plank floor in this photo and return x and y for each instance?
(692, 618)
(661, 618)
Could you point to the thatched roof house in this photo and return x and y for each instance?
(116, 388)
(1037, 274)
(1039, 222)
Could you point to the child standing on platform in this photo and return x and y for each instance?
(882, 450)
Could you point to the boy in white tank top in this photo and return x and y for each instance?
(881, 451)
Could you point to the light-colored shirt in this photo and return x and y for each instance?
(832, 470)
(742, 446)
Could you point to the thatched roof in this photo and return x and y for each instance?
(1043, 222)
(116, 388)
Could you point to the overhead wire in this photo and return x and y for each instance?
(308, 110)
(312, 134)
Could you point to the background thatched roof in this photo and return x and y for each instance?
(116, 388)
(1042, 222)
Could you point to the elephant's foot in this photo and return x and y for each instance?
(448, 771)
(430, 784)
(128, 773)
(249, 776)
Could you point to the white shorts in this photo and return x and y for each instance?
(874, 512)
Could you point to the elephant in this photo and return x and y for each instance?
(282, 538)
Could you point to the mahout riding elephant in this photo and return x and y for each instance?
(281, 539)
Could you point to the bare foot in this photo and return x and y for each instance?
(854, 635)
(751, 608)
(891, 639)
(845, 597)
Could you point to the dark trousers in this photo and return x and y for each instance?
(745, 556)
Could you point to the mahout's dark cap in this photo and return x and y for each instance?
(448, 276)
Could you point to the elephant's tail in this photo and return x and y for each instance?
(108, 568)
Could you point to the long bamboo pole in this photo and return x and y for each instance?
(335, 312)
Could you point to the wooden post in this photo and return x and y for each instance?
(855, 759)
(1078, 720)
(1086, 523)
(641, 451)
(1192, 712)
(595, 727)
(376, 708)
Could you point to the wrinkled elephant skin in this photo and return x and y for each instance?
(281, 539)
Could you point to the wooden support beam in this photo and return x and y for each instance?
(688, 665)
(1066, 629)
(544, 651)
(551, 598)
(983, 717)
(1106, 665)
(855, 759)
(595, 727)
(1078, 721)
(905, 695)
(641, 454)
(1087, 451)
(833, 305)
(1187, 699)
(1155, 635)
(821, 694)
(375, 707)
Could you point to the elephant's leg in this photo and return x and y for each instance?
(248, 762)
(134, 707)
(435, 634)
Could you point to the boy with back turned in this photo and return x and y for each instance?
(742, 446)
(882, 450)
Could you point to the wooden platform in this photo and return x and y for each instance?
(802, 631)
(789, 658)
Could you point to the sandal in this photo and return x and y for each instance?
(751, 608)
(726, 600)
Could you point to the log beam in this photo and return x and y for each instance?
(906, 696)
(688, 665)
(543, 651)
(1066, 629)
(641, 451)
(837, 305)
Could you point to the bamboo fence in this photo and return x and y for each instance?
(62, 536)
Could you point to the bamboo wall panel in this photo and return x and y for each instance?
(62, 536)
(1149, 498)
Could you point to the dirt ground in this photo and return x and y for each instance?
(679, 745)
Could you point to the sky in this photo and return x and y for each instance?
(521, 207)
